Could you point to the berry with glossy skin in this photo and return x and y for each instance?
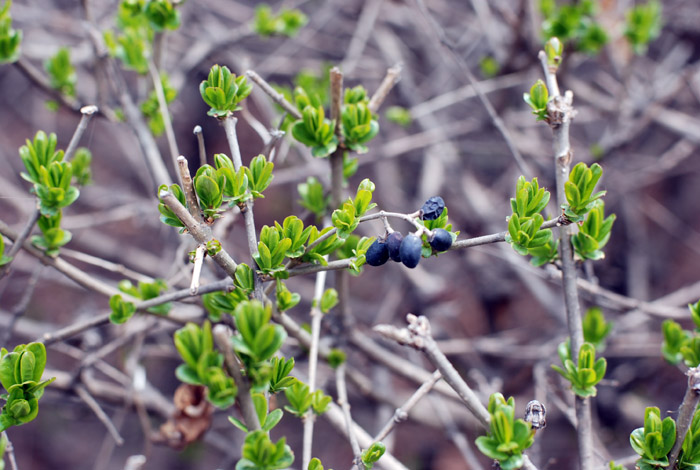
(393, 242)
(442, 240)
(377, 254)
(432, 208)
(410, 250)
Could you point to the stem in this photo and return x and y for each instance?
(685, 413)
(196, 272)
(188, 188)
(200, 144)
(274, 94)
(222, 336)
(35, 76)
(10, 451)
(418, 335)
(316, 316)
(90, 401)
(345, 406)
(200, 232)
(562, 112)
(163, 106)
(87, 112)
(401, 413)
(390, 79)
(230, 128)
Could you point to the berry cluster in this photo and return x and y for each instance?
(408, 249)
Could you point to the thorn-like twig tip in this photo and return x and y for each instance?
(89, 109)
(197, 129)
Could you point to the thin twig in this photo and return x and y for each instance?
(21, 306)
(418, 335)
(222, 336)
(561, 109)
(345, 406)
(401, 413)
(197, 271)
(10, 451)
(685, 413)
(495, 118)
(200, 232)
(84, 395)
(34, 75)
(197, 131)
(163, 109)
(276, 96)
(188, 189)
(86, 115)
(316, 316)
(229, 123)
(392, 76)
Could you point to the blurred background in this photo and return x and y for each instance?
(498, 318)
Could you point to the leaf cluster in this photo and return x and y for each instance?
(20, 375)
(223, 91)
(575, 23)
(145, 291)
(643, 25)
(287, 22)
(10, 38)
(585, 375)
(260, 453)
(524, 225)
(579, 191)
(61, 72)
(593, 233)
(679, 344)
(203, 365)
(507, 437)
(538, 99)
(52, 237)
(654, 441)
(150, 108)
(302, 400)
(689, 458)
(346, 219)
(372, 455)
(121, 310)
(596, 328)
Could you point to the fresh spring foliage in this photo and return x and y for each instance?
(370, 456)
(150, 108)
(52, 237)
(316, 131)
(302, 400)
(223, 91)
(579, 192)
(20, 375)
(346, 219)
(689, 458)
(507, 437)
(146, 291)
(4, 259)
(643, 25)
(267, 419)
(287, 22)
(575, 23)
(654, 441)
(596, 328)
(121, 310)
(585, 375)
(203, 365)
(679, 344)
(10, 38)
(593, 233)
(538, 99)
(524, 225)
(61, 72)
(313, 197)
(260, 453)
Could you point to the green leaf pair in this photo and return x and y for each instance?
(260, 453)
(285, 299)
(272, 249)
(223, 91)
(370, 456)
(315, 131)
(679, 344)
(689, 458)
(654, 441)
(279, 376)
(146, 291)
(593, 233)
(61, 72)
(122, 310)
(585, 375)
(37, 154)
(267, 420)
(20, 375)
(9, 38)
(524, 233)
(595, 328)
(54, 188)
(507, 437)
(328, 245)
(167, 216)
(359, 126)
(52, 235)
(218, 303)
(203, 365)
(302, 400)
(209, 185)
(293, 228)
(579, 191)
(346, 219)
(150, 108)
(287, 22)
(257, 339)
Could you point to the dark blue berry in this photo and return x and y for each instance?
(410, 250)
(377, 254)
(393, 242)
(442, 240)
(433, 207)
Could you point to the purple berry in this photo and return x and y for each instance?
(377, 254)
(393, 242)
(442, 240)
(433, 207)
(410, 250)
